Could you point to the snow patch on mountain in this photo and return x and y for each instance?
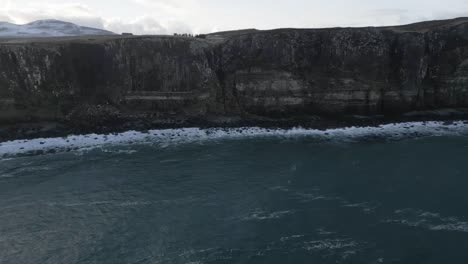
(48, 28)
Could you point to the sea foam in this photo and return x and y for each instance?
(187, 135)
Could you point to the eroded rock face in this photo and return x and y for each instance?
(160, 75)
(365, 71)
(278, 73)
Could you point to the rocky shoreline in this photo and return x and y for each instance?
(56, 129)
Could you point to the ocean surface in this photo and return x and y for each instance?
(396, 193)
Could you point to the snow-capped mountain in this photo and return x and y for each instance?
(48, 28)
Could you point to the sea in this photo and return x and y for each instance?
(395, 193)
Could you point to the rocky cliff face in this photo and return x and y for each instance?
(247, 75)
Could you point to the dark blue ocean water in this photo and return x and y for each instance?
(251, 200)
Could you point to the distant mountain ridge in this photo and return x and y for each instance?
(48, 28)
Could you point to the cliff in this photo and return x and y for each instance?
(234, 77)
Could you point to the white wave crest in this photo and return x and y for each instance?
(330, 244)
(428, 220)
(262, 215)
(185, 135)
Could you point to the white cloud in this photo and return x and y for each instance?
(169, 4)
(82, 15)
(146, 25)
(202, 16)
(449, 14)
(386, 17)
(170, 15)
(75, 13)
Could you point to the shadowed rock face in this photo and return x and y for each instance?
(249, 74)
(365, 71)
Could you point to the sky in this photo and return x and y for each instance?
(205, 16)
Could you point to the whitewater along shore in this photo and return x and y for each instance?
(318, 78)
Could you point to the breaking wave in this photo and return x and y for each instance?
(186, 135)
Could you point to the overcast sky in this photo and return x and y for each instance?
(202, 16)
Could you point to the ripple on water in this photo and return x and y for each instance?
(427, 220)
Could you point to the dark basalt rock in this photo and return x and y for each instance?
(283, 76)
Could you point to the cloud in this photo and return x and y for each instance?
(84, 16)
(202, 16)
(75, 13)
(389, 16)
(147, 25)
(448, 15)
(174, 4)
(172, 15)
(5, 18)
(403, 16)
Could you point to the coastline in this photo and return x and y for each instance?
(164, 137)
(23, 131)
(314, 78)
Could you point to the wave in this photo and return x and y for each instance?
(316, 195)
(330, 244)
(293, 237)
(344, 248)
(428, 220)
(103, 203)
(167, 137)
(262, 215)
(366, 207)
